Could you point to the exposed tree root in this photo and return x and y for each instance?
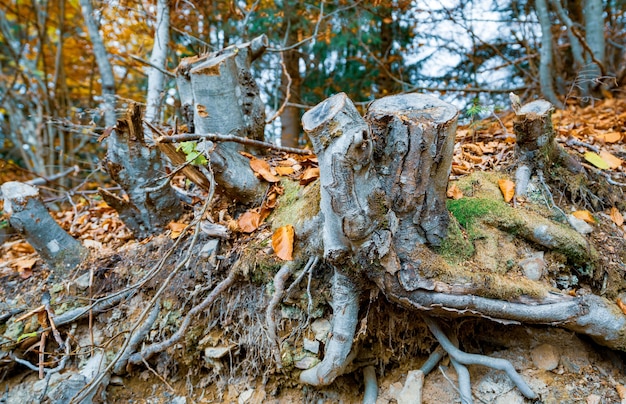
(371, 385)
(345, 305)
(136, 338)
(473, 359)
(279, 290)
(150, 350)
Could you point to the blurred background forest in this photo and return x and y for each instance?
(471, 53)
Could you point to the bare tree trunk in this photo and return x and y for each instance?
(594, 32)
(104, 66)
(158, 58)
(545, 65)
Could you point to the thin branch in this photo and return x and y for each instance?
(287, 92)
(230, 138)
(147, 63)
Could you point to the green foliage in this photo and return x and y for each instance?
(192, 155)
(468, 210)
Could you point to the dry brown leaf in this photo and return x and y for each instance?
(281, 170)
(262, 168)
(609, 137)
(454, 192)
(309, 175)
(249, 221)
(613, 161)
(621, 391)
(616, 216)
(282, 242)
(508, 189)
(176, 228)
(23, 248)
(621, 305)
(584, 215)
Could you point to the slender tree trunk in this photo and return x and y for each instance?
(158, 58)
(107, 78)
(291, 80)
(545, 65)
(594, 32)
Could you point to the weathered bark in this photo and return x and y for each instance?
(414, 141)
(219, 95)
(594, 33)
(139, 169)
(30, 217)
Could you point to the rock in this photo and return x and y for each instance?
(82, 282)
(306, 363)
(394, 390)
(545, 356)
(312, 346)
(579, 225)
(593, 399)
(321, 328)
(245, 396)
(412, 391)
(116, 381)
(533, 266)
(217, 352)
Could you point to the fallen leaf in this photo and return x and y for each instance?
(309, 175)
(596, 160)
(262, 168)
(609, 137)
(282, 242)
(621, 390)
(612, 161)
(23, 248)
(584, 215)
(508, 189)
(280, 170)
(454, 192)
(249, 221)
(24, 267)
(176, 228)
(616, 216)
(621, 305)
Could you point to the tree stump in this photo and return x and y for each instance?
(414, 141)
(139, 169)
(29, 216)
(219, 95)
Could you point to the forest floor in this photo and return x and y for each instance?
(225, 354)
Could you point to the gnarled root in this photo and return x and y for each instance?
(345, 306)
(463, 358)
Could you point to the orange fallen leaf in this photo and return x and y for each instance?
(621, 305)
(249, 221)
(609, 137)
(262, 168)
(616, 216)
(176, 228)
(24, 267)
(281, 170)
(282, 242)
(508, 189)
(584, 215)
(611, 160)
(23, 248)
(454, 192)
(621, 391)
(309, 175)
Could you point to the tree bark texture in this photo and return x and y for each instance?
(30, 217)
(545, 54)
(158, 58)
(219, 95)
(140, 171)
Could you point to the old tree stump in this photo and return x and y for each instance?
(383, 183)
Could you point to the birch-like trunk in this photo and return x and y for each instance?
(156, 79)
(546, 67)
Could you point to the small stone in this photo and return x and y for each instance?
(412, 390)
(579, 225)
(217, 352)
(306, 363)
(312, 346)
(593, 399)
(545, 356)
(321, 328)
(245, 396)
(82, 282)
(209, 248)
(394, 390)
(116, 381)
(533, 266)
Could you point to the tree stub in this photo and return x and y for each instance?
(414, 141)
(29, 216)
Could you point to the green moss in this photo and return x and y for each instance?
(469, 210)
(456, 247)
(297, 204)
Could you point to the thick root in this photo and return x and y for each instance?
(345, 306)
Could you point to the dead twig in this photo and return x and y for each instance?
(279, 290)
